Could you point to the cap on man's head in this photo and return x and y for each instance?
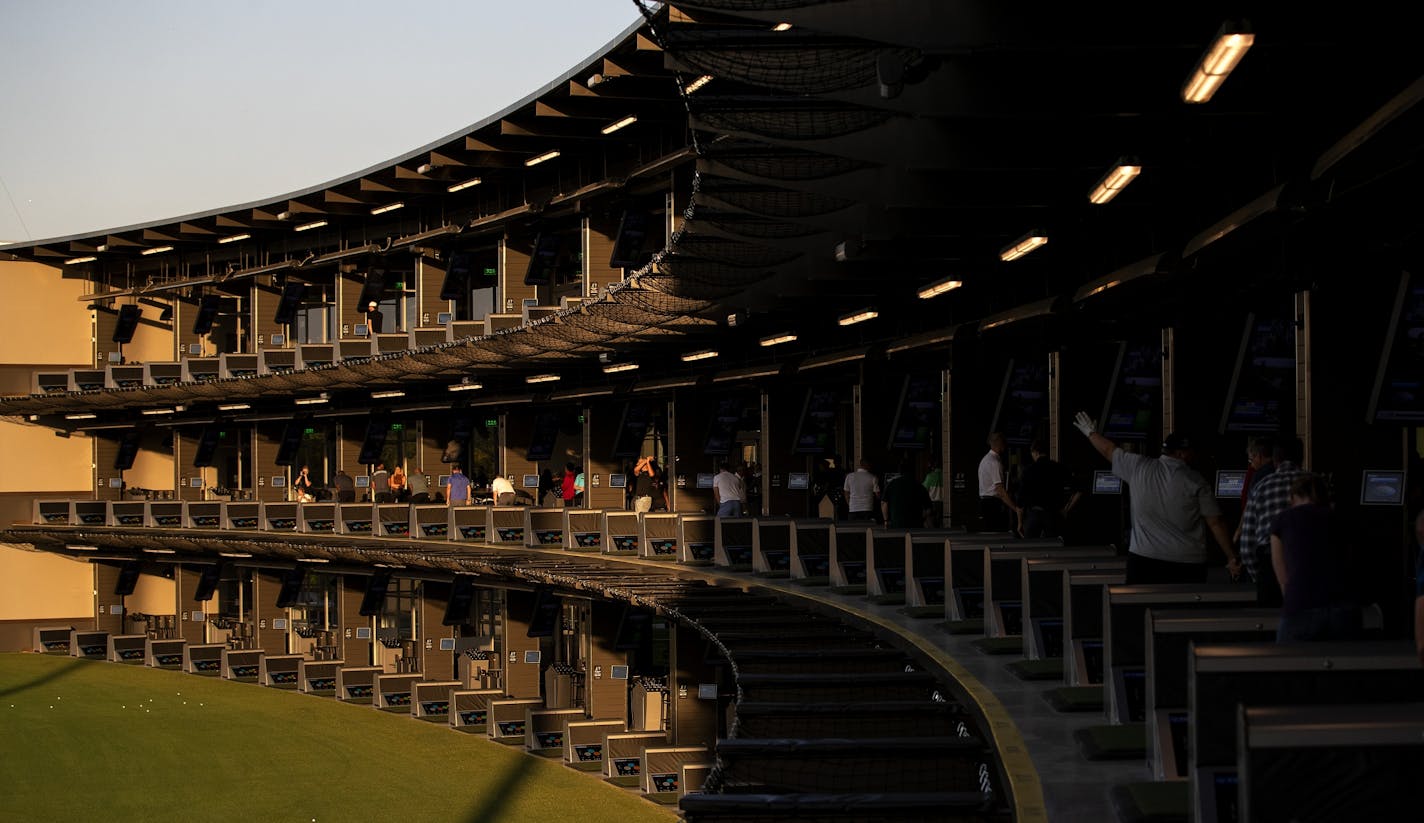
(1177, 441)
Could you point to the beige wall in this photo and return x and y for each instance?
(152, 595)
(45, 324)
(150, 344)
(151, 469)
(67, 590)
(41, 462)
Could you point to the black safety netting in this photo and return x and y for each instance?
(777, 203)
(786, 119)
(732, 252)
(752, 227)
(754, 5)
(761, 161)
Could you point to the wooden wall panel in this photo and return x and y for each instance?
(434, 663)
(106, 576)
(354, 652)
(513, 263)
(267, 438)
(266, 586)
(520, 679)
(607, 698)
(599, 234)
(693, 721)
(602, 420)
(430, 276)
(185, 586)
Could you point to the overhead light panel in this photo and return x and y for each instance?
(426, 168)
(468, 184)
(74, 261)
(234, 407)
(152, 412)
(939, 287)
(235, 554)
(614, 368)
(699, 83)
(706, 354)
(463, 386)
(542, 378)
(313, 401)
(388, 207)
(1230, 45)
(386, 395)
(548, 155)
(1115, 180)
(77, 548)
(312, 560)
(1022, 246)
(234, 238)
(315, 224)
(781, 27)
(156, 250)
(160, 551)
(778, 339)
(621, 124)
(858, 317)
(80, 416)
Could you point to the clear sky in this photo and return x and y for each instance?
(116, 112)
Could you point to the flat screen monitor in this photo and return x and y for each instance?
(631, 241)
(207, 445)
(292, 435)
(128, 449)
(1135, 397)
(816, 432)
(207, 583)
(548, 607)
(457, 275)
(543, 260)
(362, 481)
(291, 587)
(443, 318)
(543, 437)
(633, 429)
(442, 481)
(1262, 391)
(375, 596)
(1022, 411)
(530, 481)
(704, 480)
(291, 302)
(617, 481)
(462, 596)
(1382, 488)
(128, 578)
(127, 324)
(798, 481)
(1230, 483)
(1106, 483)
(361, 330)
(377, 427)
(1399, 384)
(618, 672)
(207, 314)
(917, 415)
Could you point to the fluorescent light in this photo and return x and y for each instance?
(315, 224)
(157, 411)
(102, 247)
(781, 27)
(156, 250)
(472, 182)
(618, 367)
(699, 83)
(541, 378)
(234, 407)
(286, 215)
(160, 551)
(778, 339)
(1115, 181)
(77, 548)
(698, 355)
(312, 560)
(234, 554)
(74, 261)
(311, 401)
(388, 207)
(234, 238)
(1022, 246)
(548, 155)
(939, 287)
(82, 416)
(463, 387)
(858, 317)
(383, 395)
(1214, 66)
(621, 124)
(426, 168)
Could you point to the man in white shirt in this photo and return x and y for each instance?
(727, 492)
(502, 490)
(995, 504)
(862, 492)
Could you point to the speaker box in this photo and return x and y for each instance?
(128, 323)
(208, 310)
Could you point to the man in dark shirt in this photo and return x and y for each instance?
(374, 318)
(345, 487)
(1043, 495)
(1308, 555)
(906, 503)
(381, 484)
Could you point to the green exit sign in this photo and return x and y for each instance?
(491, 423)
(491, 271)
(395, 427)
(308, 431)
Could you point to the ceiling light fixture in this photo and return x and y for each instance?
(156, 250)
(858, 317)
(781, 27)
(698, 355)
(234, 407)
(426, 168)
(313, 401)
(234, 238)
(312, 560)
(939, 287)
(234, 554)
(388, 207)
(462, 386)
(621, 124)
(1115, 180)
(548, 155)
(699, 83)
(74, 261)
(614, 368)
(778, 339)
(1231, 44)
(81, 416)
(471, 183)
(385, 395)
(77, 548)
(542, 378)
(151, 412)
(160, 551)
(315, 224)
(1022, 246)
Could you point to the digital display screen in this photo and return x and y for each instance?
(917, 418)
(530, 481)
(617, 481)
(1399, 385)
(1263, 388)
(798, 480)
(1023, 403)
(1136, 394)
(704, 480)
(1382, 488)
(1230, 483)
(816, 433)
(1106, 483)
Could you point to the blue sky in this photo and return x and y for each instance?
(115, 113)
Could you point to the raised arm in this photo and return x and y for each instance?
(1089, 427)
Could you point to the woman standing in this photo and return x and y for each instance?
(1309, 560)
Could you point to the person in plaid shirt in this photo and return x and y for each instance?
(1267, 500)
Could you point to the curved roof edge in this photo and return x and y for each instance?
(578, 68)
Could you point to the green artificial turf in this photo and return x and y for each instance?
(85, 740)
